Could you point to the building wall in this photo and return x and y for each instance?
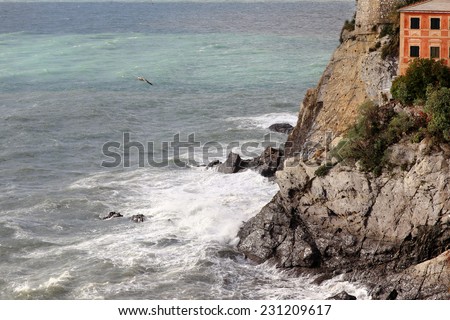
(424, 37)
(371, 13)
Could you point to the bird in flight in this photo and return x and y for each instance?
(145, 80)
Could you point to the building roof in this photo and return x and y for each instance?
(428, 6)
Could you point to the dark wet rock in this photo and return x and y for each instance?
(138, 218)
(393, 295)
(232, 164)
(285, 128)
(266, 164)
(342, 296)
(213, 164)
(112, 214)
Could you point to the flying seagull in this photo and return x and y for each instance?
(145, 80)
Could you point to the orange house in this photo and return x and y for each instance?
(424, 32)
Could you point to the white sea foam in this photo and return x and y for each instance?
(264, 121)
(80, 92)
(42, 290)
(191, 214)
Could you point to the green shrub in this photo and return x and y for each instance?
(392, 47)
(363, 143)
(419, 135)
(400, 125)
(420, 74)
(387, 29)
(322, 171)
(376, 129)
(438, 109)
(349, 25)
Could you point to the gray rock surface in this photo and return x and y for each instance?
(361, 225)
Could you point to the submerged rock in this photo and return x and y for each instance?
(112, 214)
(342, 296)
(138, 218)
(285, 128)
(213, 164)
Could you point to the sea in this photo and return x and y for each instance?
(82, 136)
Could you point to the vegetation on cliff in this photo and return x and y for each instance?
(422, 107)
(422, 76)
(391, 229)
(377, 128)
(426, 86)
(422, 110)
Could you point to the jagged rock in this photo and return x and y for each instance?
(138, 218)
(285, 128)
(232, 164)
(350, 220)
(112, 214)
(342, 296)
(427, 280)
(353, 76)
(266, 164)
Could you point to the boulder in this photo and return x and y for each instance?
(231, 165)
(112, 214)
(342, 296)
(269, 162)
(285, 128)
(266, 164)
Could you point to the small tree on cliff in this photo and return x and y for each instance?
(421, 74)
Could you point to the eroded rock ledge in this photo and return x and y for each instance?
(391, 232)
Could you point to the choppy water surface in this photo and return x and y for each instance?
(224, 71)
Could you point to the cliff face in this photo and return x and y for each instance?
(360, 224)
(394, 227)
(356, 73)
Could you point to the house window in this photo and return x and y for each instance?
(435, 23)
(435, 52)
(414, 51)
(415, 23)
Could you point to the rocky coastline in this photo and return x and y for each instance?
(390, 232)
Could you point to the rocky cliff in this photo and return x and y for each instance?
(391, 232)
(355, 74)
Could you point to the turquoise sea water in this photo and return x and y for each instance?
(223, 71)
